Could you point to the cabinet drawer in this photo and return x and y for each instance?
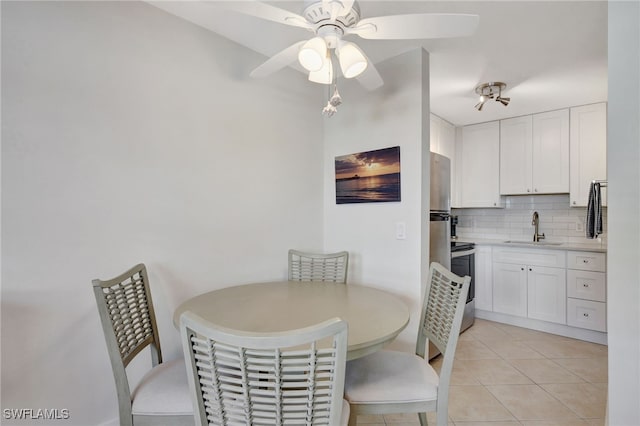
(536, 257)
(586, 261)
(586, 285)
(587, 314)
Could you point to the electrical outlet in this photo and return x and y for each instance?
(401, 231)
(579, 226)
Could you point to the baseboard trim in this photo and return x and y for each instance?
(547, 327)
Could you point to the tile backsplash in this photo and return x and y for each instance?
(558, 221)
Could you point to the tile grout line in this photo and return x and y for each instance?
(488, 331)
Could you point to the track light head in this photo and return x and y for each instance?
(503, 101)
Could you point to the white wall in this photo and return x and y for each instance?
(132, 136)
(623, 156)
(396, 114)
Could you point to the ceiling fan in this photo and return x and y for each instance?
(333, 20)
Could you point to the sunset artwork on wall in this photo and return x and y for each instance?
(368, 177)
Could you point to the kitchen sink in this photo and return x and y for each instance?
(533, 243)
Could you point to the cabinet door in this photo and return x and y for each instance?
(515, 155)
(547, 294)
(447, 146)
(510, 289)
(443, 142)
(434, 133)
(480, 165)
(550, 148)
(483, 278)
(588, 159)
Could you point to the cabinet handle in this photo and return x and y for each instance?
(535, 190)
(522, 269)
(585, 261)
(528, 190)
(530, 269)
(574, 203)
(586, 315)
(585, 285)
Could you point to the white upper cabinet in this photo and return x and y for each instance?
(479, 165)
(534, 154)
(516, 155)
(434, 133)
(588, 151)
(443, 142)
(551, 152)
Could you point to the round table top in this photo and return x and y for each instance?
(375, 317)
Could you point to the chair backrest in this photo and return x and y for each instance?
(441, 318)
(129, 325)
(240, 378)
(330, 267)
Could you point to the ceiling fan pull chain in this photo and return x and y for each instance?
(336, 99)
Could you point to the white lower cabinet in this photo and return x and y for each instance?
(547, 294)
(535, 292)
(483, 278)
(587, 314)
(510, 289)
(558, 291)
(587, 290)
(530, 283)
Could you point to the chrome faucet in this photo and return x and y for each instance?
(536, 222)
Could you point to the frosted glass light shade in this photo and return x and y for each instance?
(312, 53)
(352, 60)
(325, 74)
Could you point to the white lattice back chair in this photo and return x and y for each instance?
(129, 325)
(397, 382)
(330, 267)
(285, 378)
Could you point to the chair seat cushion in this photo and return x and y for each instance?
(163, 391)
(390, 377)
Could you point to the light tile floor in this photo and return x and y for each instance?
(511, 376)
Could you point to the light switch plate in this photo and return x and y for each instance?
(401, 231)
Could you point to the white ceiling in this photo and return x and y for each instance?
(551, 54)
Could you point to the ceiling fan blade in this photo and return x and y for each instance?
(278, 61)
(370, 78)
(268, 12)
(416, 26)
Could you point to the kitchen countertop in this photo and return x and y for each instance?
(595, 247)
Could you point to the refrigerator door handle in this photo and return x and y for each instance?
(439, 216)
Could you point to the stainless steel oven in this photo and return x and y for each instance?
(463, 263)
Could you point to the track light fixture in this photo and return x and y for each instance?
(489, 91)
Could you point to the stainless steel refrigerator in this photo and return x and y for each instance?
(439, 218)
(440, 211)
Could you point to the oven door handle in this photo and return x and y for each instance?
(455, 254)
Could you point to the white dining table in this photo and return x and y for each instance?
(374, 317)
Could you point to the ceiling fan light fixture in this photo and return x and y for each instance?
(312, 54)
(352, 60)
(325, 74)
